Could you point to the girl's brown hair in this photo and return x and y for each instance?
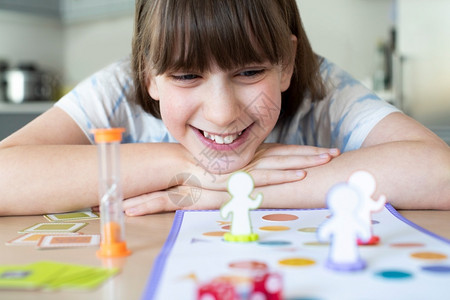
(191, 35)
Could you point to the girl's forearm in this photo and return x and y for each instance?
(39, 179)
(412, 175)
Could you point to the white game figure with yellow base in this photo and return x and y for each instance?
(240, 186)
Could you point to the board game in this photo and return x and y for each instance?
(408, 262)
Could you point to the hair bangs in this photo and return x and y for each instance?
(198, 34)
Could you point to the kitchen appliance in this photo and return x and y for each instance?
(3, 68)
(27, 83)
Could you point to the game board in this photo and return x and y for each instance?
(408, 263)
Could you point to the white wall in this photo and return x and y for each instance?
(424, 43)
(24, 37)
(347, 31)
(89, 46)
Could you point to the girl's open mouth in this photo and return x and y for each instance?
(223, 141)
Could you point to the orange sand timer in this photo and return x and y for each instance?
(110, 193)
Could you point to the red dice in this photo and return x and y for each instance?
(267, 287)
(217, 290)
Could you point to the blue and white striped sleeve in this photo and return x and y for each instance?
(348, 114)
(97, 102)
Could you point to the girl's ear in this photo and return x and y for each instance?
(288, 70)
(152, 88)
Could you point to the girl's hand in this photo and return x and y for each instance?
(179, 197)
(272, 165)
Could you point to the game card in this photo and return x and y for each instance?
(50, 276)
(77, 215)
(67, 241)
(32, 276)
(82, 277)
(30, 239)
(54, 227)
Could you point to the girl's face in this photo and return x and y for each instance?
(220, 116)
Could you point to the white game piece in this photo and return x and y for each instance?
(240, 186)
(365, 182)
(343, 229)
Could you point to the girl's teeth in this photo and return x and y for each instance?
(228, 139)
(218, 139)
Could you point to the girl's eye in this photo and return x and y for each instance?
(185, 77)
(251, 73)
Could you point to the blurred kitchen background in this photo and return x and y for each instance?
(399, 48)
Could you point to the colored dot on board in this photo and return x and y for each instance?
(394, 274)
(442, 269)
(274, 243)
(280, 217)
(374, 222)
(221, 223)
(316, 244)
(429, 255)
(308, 229)
(249, 265)
(226, 227)
(407, 245)
(214, 233)
(274, 228)
(297, 262)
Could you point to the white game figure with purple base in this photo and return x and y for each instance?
(344, 228)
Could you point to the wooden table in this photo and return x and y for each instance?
(145, 237)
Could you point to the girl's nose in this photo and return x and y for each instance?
(221, 107)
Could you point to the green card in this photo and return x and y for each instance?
(77, 215)
(54, 228)
(34, 276)
(48, 275)
(82, 277)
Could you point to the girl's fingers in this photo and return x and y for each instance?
(266, 171)
(280, 149)
(273, 174)
(148, 204)
(290, 162)
(181, 197)
(272, 177)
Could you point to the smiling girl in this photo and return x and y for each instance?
(214, 87)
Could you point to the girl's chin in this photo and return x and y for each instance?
(225, 164)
